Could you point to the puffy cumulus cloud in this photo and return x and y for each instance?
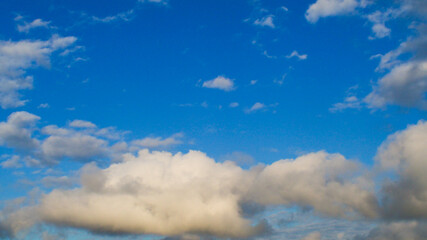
(397, 231)
(17, 130)
(221, 83)
(404, 85)
(317, 180)
(156, 142)
(76, 146)
(173, 195)
(405, 153)
(16, 57)
(326, 8)
(81, 141)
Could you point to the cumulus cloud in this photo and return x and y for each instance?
(134, 195)
(16, 131)
(18, 56)
(221, 83)
(81, 141)
(37, 23)
(326, 8)
(405, 153)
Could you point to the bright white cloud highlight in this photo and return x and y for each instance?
(326, 8)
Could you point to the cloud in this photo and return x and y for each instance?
(81, 141)
(221, 83)
(313, 236)
(326, 8)
(82, 124)
(150, 142)
(297, 55)
(123, 16)
(37, 23)
(258, 107)
(397, 231)
(17, 130)
(349, 102)
(77, 146)
(234, 104)
(404, 153)
(16, 57)
(404, 85)
(134, 195)
(267, 21)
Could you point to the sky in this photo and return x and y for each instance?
(184, 119)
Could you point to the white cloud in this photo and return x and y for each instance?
(257, 106)
(81, 124)
(43, 105)
(267, 21)
(26, 27)
(134, 196)
(350, 101)
(123, 16)
(155, 142)
(12, 162)
(297, 55)
(405, 153)
(220, 82)
(405, 85)
(253, 82)
(17, 130)
(326, 8)
(234, 104)
(78, 146)
(17, 57)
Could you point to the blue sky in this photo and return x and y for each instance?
(85, 85)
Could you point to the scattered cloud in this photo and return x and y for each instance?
(297, 55)
(156, 142)
(221, 83)
(81, 124)
(326, 8)
(253, 82)
(259, 107)
(234, 104)
(36, 23)
(43, 105)
(18, 56)
(267, 21)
